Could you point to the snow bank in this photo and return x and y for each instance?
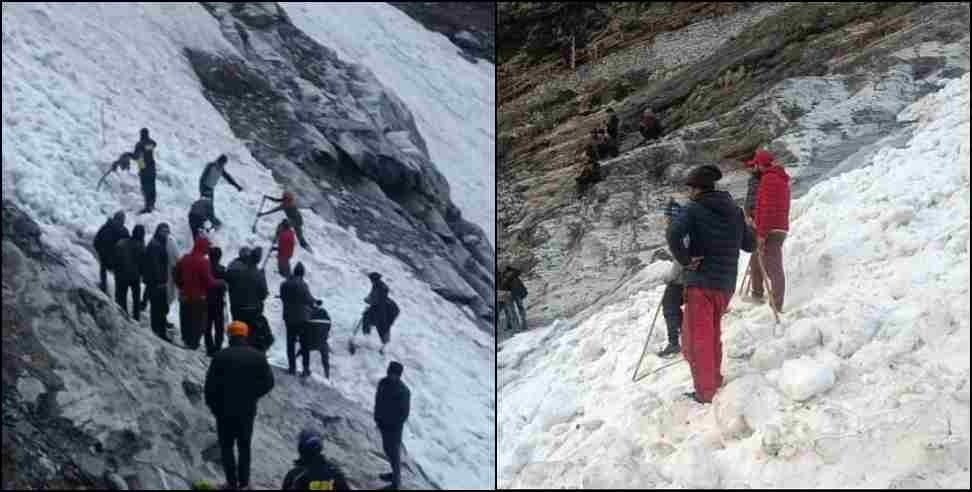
(876, 333)
(66, 65)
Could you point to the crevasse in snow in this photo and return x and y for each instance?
(79, 80)
(865, 384)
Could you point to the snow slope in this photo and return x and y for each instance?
(65, 64)
(452, 99)
(865, 385)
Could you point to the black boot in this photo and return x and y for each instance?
(692, 396)
(670, 351)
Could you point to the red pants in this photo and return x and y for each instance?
(702, 338)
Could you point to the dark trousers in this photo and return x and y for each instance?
(522, 311)
(300, 236)
(192, 321)
(160, 309)
(238, 432)
(148, 190)
(293, 334)
(755, 275)
(391, 441)
(215, 324)
(103, 284)
(672, 310)
(122, 286)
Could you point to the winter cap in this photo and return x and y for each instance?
(396, 368)
(255, 255)
(704, 177)
(671, 209)
(244, 252)
(289, 197)
(299, 269)
(238, 329)
(162, 228)
(119, 216)
(144, 132)
(221, 159)
(138, 232)
(374, 276)
(761, 159)
(309, 442)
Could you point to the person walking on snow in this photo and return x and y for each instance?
(156, 270)
(381, 312)
(195, 279)
(144, 156)
(105, 241)
(210, 178)
(297, 305)
(772, 222)
(216, 301)
(286, 239)
(392, 402)
(755, 270)
(673, 298)
(201, 211)
(248, 291)
(312, 471)
(288, 204)
(129, 253)
(237, 378)
(717, 231)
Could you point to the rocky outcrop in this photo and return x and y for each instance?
(93, 400)
(347, 145)
(819, 85)
(469, 25)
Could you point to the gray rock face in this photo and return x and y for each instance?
(469, 25)
(91, 399)
(348, 147)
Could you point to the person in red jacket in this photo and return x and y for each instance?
(772, 223)
(286, 241)
(194, 276)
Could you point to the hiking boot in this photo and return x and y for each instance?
(670, 351)
(305, 373)
(386, 477)
(292, 371)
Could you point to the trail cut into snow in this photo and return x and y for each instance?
(865, 384)
(452, 99)
(79, 80)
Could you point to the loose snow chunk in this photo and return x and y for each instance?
(846, 335)
(694, 467)
(746, 405)
(625, 474)
(770, 355)
(803, 335)
(803, 378)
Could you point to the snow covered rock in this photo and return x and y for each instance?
(770, 355)
(693, 467)
(772, 440)
(845, 335)
(803, 335)
(740, 343)
(804, 378)
(746, 405)
(628, 473)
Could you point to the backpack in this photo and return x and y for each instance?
(262, 338)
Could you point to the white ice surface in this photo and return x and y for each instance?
(63, 64)
(874, 340)
(452, 99)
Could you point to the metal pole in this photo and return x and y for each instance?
(650, 331)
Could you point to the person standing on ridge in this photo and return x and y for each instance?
(755, 270)
(288, 204)
(105, 241)
(195, 279)
(297, 305)
(612, 124)
(717, 231)
(248, 291)
(311, 470)
(129, 254)
(201, 211)
(673, 299)
(518, 290)
(772, 221)
(144, 156)
(156, 270)
(392, 405)
(286, 239)
(237, 378)
(210, 178)
(381, 312)
(216, 300)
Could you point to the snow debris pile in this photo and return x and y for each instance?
(78, 83)
(864, 384)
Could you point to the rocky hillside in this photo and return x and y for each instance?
(815, 82)
(92, 400)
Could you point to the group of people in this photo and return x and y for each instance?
(704, 238)
(605, 141)
(239, 374)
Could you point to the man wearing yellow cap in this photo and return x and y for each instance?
(238, 377)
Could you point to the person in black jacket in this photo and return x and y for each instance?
(155, 273)
(717, 231)
(392, 402)
(381, 312)
(513, 284)
(297, 305)
(312, 471)
(129, 254)
(248, 291)
(144, 155)
(216, 300)
(201, 211)
(104, 243)
(612, 124)
(238, 377)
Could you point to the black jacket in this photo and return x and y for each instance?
(379, 293)
(106, 239)
(297, 300)
(392, 402)
(129, 255)
(751, 187)
(516, 287)
(238, 376)
(247, 286)
(612, 126)
(145, 150)
(154, 268)
(315, 469)
(217, 295)
(717, 231)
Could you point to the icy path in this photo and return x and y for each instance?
(452, 99)
(63, 64)
(866, 386)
